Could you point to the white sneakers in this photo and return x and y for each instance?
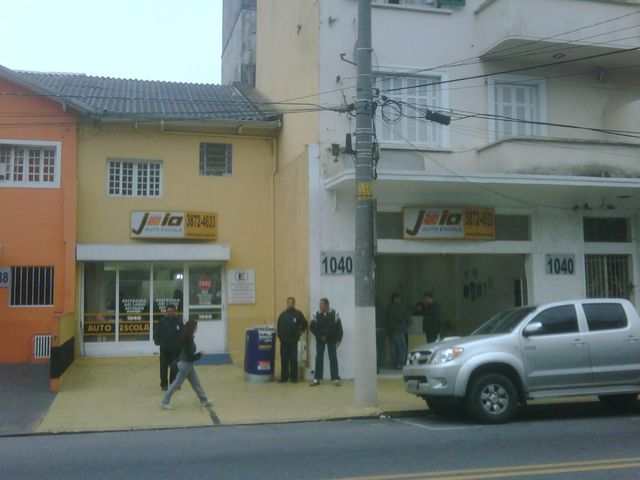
(166, 406)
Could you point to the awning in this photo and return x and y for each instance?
(151, 251)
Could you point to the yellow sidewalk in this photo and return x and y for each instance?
(101, 394)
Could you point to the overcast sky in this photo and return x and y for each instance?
(177, 40)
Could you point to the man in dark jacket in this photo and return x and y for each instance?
(327, 328)
(291, 325)
(166, 336)
(431, 319)
(398, 319)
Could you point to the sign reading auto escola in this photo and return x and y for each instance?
(449, 223)
(178, 225)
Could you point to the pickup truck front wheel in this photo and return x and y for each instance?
(492, 398)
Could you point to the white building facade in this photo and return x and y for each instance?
(540, 160)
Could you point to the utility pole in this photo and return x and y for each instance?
(366, 382)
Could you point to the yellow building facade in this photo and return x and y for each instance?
(129, 273)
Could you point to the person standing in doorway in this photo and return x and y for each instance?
(398, 320)
(291, 325)
(165, 335)
(431, 318)
(186, 370)
(327, 328)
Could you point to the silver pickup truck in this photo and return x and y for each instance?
(563, 349)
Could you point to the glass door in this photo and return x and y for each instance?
(206, 306)
(134, 300)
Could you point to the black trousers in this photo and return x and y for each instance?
(289, 360)
(333, 360)
(167, 365)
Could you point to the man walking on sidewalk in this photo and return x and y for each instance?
(166, 336)
(291, 325)
(327, 328)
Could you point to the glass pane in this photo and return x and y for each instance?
(99, 302)
(134, 301)
(205, 293)
(168, 285)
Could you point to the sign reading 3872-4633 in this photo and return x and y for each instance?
(336, 263)
(5, 277)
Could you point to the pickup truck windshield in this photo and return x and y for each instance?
(504, 322)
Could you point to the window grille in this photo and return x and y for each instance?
(31, 286)
(607, 276)
(42, 346)
(216, 159)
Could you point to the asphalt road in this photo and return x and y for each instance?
(551, 442)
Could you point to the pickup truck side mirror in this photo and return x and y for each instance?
(532, 329)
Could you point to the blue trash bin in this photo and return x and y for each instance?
(259, 354)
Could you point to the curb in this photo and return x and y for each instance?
(377, 416)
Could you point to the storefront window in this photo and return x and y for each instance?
(205, 293)
(123, 301)
(99, 302)
(134, 299)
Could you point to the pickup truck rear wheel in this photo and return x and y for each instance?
(622, 402)
(492, 398)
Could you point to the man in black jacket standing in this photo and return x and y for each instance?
(291, 325)
(431, 318)
(327, 328)
(166, 336)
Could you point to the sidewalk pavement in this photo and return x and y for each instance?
(102, 394)
(24, 397)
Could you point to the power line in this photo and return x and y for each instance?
(470, 114)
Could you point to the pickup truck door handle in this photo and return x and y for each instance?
(632, 339)
(579, 342)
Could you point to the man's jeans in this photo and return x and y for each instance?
(400, 349)
(185, 372)
(333, 360)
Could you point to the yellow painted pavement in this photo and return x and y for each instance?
(100, 394)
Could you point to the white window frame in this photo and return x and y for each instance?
(36, 144)
(134, 186)
(538, 82)
(426, 77)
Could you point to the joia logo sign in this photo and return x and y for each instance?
(448, 223)
(157, 224)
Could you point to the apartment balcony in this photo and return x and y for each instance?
(546, 31)
(561, 157)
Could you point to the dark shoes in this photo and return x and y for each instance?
(163, 388)
(283, 380)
